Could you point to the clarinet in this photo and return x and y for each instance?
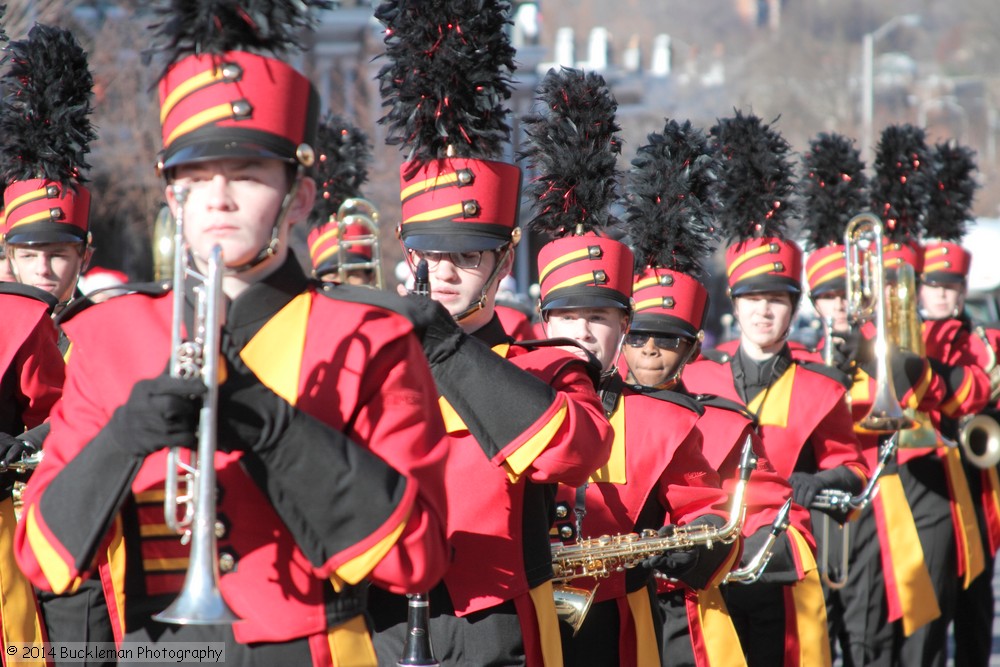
(417, 650)
(422, 279)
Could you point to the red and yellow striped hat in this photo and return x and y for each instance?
(42, 211)
(587, 271)
(669, 302)
(236, 105)
(769, 264)
(945, 262)
(899, 253)
(459, 204)
(826, 270)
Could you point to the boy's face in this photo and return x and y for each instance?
(235, 203)
(599, 330)
(52, 267)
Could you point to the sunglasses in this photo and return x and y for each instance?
(661, 341)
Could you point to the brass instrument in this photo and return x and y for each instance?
(755, 567)
(866, 298)
(163, 244)
(841, 502)
(600, 556)
(356, 210)
(979, 434)
(200, 601)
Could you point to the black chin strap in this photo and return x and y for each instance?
(270, 249)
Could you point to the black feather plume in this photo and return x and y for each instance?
(190, 27)
(952, 193)
(448, 77)
(671, 213)
(756, 178)
(900, 191)
(342, 157)
(573, 149)
(833, 188)
(45, 120)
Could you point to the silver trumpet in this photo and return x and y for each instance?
(200, 601)
(27, 463)
(599, 557)
(755, 567)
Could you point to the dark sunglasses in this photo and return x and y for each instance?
(660, 341)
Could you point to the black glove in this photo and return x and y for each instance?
(160, 412)
(12, 449)
(675, 562)
(251, 416)
(437, 330)
(805, 486)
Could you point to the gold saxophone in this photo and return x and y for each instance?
(599, 557)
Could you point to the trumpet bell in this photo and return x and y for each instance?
(573, 603)
(200, 603)
(979, 438)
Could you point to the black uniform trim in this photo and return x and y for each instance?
(476, 380)
(718, 356)
(94, 483)
(713, 401)
(31, 292)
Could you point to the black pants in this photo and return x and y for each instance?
(858, 613)
(758, 613)
(489, 638)
(256, 655)
(675, 639)
(926, 488)
(80, 617)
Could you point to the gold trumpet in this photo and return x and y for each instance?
(200, 601)
(600, 556)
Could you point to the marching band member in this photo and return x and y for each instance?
(671, 219)
(341, 170)
(887, 589)
(656, 478)
(520, 419)
(804, 420)
(47, 234)
(950, 337)
(328, 458)
(929, 475)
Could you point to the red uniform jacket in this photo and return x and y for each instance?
(354, 366)
(499, 502)
(802, 407)
(517, 325)
(33, 372)
(656, 475)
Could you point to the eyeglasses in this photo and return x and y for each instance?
(461, 260)
(660, 341)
